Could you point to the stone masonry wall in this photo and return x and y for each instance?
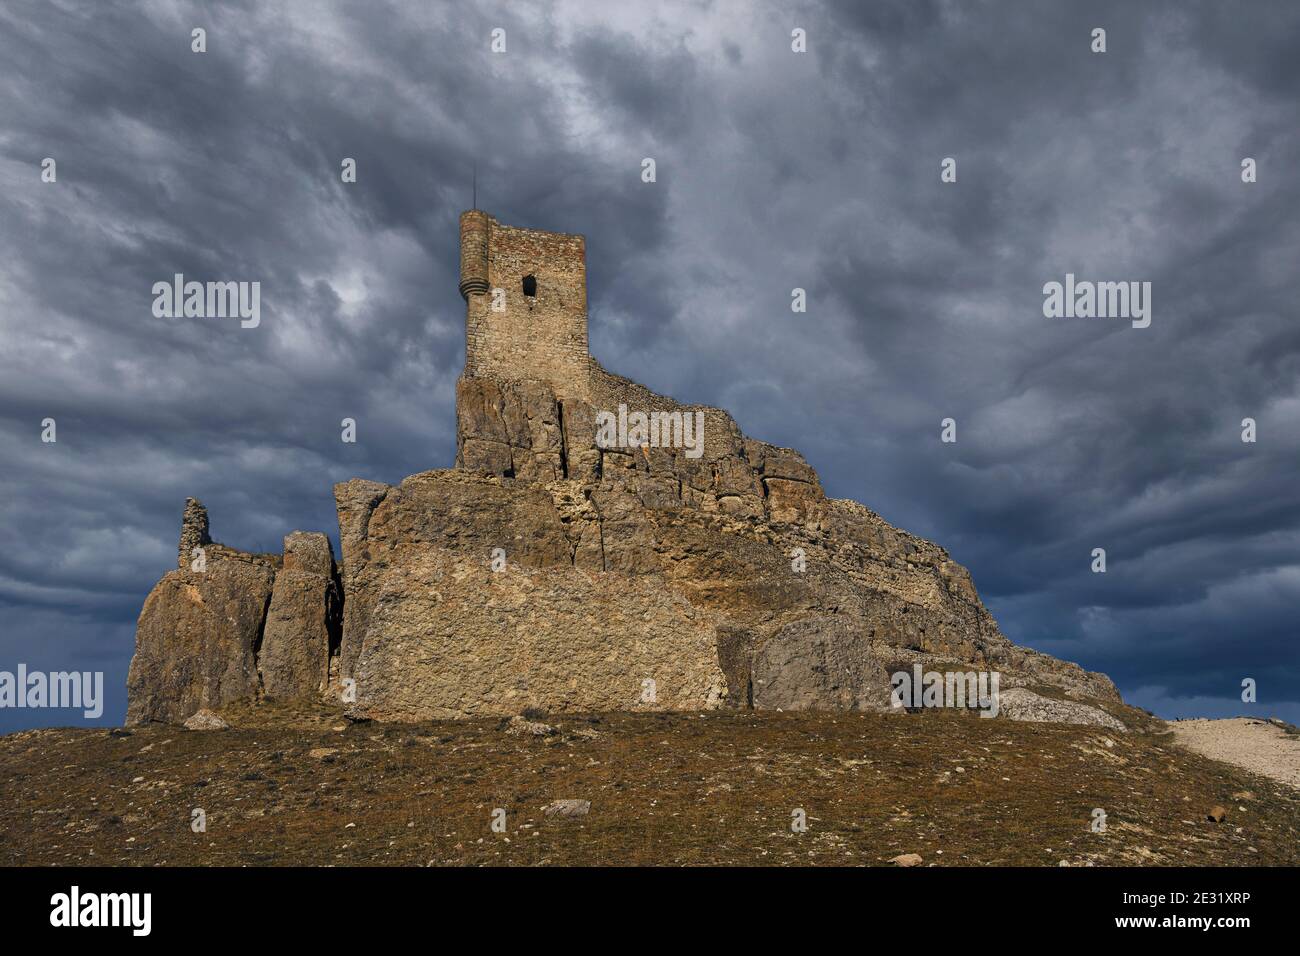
(541, 337)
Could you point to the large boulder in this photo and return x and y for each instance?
(818, 663)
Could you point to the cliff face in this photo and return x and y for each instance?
(547, 571)
(644, 578)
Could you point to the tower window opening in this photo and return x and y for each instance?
(530, 286)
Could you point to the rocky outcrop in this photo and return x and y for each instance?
(547, 571)
(197, 638)
(509, 428)
(355, 506)
(201, 636)
(522, 430)
(641, 578)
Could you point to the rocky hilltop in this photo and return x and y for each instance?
(551, 569)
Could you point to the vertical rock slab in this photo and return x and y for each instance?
(356, 501)
(578, 429)
(304, 621)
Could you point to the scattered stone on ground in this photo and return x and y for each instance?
(206, 720)
(567, 808)
(1019, 703)
(522, 727)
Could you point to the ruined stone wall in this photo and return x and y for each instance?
(541, 337)
(722, 436)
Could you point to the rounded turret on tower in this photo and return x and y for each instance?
(474, 236)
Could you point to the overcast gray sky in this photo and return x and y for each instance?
(775, 170)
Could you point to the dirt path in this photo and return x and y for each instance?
(1252, 744)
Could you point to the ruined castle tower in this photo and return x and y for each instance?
(194, 532)
(627, 560)
(525, 296)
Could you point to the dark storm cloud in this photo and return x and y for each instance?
(775, 171)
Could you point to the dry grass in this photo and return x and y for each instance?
(664, 789)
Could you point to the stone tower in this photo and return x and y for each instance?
(525, 296)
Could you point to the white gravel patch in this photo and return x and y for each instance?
(1253, 744)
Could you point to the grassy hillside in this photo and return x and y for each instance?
(292, 785)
